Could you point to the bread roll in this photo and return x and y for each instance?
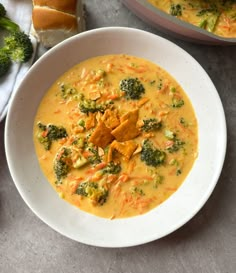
(56, 20)
(68, 6)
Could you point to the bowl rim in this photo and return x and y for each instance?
(64, 44)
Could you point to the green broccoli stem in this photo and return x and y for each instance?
(8, 24)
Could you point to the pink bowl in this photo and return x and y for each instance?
(174, 26)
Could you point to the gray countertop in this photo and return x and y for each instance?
(205, 244)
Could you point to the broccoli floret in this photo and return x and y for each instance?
(177, 103)
(151, 124)
(151, 155)
(87, 105)
(177, 144)
(183, 122)
(137, 191)
(94, 158)
(49, 133)
(5, 63)
(112, 168)
(91, 106)
(176, 10)
(18, 46)
(67, 158)
(132, 87)
(67, 91)
(97, 194)
(6, 22)
(170, 135)
(19, 49)
(206, 11)
(158, 180)
(62, 164)
(210, 19)
(178, 172)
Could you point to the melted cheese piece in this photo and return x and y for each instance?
(137, 188)
(214, 16)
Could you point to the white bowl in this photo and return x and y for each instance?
(71, 221)
(174, 26)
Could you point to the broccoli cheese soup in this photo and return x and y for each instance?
(218, 17)
(116, 135)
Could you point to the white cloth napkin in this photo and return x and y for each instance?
(20, 12)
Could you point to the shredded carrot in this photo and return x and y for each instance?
(70, 140)
(148, 135)
(63, 140)
(86, 154)
(169, 143)
(113, 97)
(144, 177)
(138, 69)
(96, 168)
(79, 179)
(115, 191)
(112, 217)
(45, 133)
(100, 166)
(123, 178)
(96, 177)
(111, 178)
(142, 101)
(43, 157)
(163, 113)
(131, 166)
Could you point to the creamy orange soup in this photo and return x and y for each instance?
(116, 136)
(218, 17)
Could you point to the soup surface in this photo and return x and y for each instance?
(218, 17)
(116, 136)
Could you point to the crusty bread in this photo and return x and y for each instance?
(67, 6)
(47, 19)
(56, 20)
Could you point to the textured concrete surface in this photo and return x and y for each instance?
(206, 244)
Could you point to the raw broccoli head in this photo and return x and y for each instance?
(5, 63)
(132, 87)
(18, 46)
(151, 155)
